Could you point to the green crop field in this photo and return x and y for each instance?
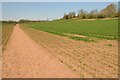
(6, 32)
(101, 29)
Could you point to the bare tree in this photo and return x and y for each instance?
(65, 16)
(82, 14)
(109, 11)
(71, 15)
(93, 14)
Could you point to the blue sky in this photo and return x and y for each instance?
(44, 10)
(59, 0)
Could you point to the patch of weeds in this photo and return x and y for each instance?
(109, 45)
(80, 39)
(104, 37)
(94, 40)
(57, 33)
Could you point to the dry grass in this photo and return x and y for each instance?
(6, 32)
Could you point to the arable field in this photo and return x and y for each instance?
(6, 32)
(80, 29)
(87, 59)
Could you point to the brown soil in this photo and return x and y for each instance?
(75, 35)
(89, 60)
(24, 58)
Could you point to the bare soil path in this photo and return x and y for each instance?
(24, 58)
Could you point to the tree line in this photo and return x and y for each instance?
(109, 12)
(9, 21)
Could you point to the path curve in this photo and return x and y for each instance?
(24, 58)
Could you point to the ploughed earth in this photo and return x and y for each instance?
(34, 53)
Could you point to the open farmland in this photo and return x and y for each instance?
(25, 58)
(60, 40)
(80, 29)
(6, 32)
(94, 60)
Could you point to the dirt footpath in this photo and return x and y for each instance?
(24, 58)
